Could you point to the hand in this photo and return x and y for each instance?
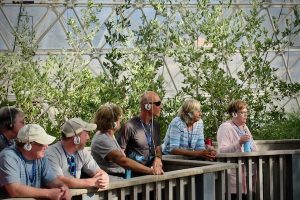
(244, 139)
(157, 166)
(102, 179)
(59, 193)
(208, 147)
(209, 154)
(66, 193)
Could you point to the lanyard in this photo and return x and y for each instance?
(238, 130)
(190, 137)
(71, 160)
(148, 136)
(29, 176)
(33, 172)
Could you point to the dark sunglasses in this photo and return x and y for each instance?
(157, 103)
(72, 165)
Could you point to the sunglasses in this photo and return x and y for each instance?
(72, 165)
(157, 103)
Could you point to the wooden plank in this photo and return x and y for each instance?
(169, 189)
(146, 191)
(157, 191)
(249, 179)
(260, 179)
(179, 189)
(122, 194)
(281, 180)
(239, 179)
(110, 194)
(221, 193)
(271, 179)
(191, 188)
(134, 193)
(228, 193)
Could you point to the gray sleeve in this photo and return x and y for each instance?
(54, 161)
(90, 166)
(10, 169)
(102, 146)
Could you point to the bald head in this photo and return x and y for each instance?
(150, 104)
(148, 97)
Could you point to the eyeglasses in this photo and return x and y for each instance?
(157, 103)
(243, 113)
(72, 165)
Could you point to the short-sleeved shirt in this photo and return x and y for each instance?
(58, 161)
(140, 140)
(178, 136)
(4, 142)
(101, 146)
(14, 168)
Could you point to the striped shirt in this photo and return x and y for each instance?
(178, 136)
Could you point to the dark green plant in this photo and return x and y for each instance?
(287, 127)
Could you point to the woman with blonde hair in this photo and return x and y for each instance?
(185, 133)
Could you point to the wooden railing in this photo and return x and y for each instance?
(277, 177)
(183, 179)
(269, 175)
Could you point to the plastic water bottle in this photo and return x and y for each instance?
(127, 173)
(247, 146)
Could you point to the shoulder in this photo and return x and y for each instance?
(226, 124)
(42, 161)
(200, 122)
(99, 142)
(55, 146)
(9, 156)
(84, 153)
(225, 128)
(99, 137)
(55, 149)
(177, 121)
(132, 122)
(9, 152)
(131, 125)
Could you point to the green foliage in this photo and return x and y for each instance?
(288, 127)
(65, 86)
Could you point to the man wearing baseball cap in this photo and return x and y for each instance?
(68, 157)
(24, 170)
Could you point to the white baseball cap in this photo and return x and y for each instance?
(76, 126)
(34, 133)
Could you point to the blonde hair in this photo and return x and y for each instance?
(186, 111)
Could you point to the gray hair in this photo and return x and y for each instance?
(187, 109)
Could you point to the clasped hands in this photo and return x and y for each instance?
(101, 179)
(209, 153)
(157, 167)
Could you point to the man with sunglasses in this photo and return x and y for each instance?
(68, 157)
(140, 136)
(24, 170)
